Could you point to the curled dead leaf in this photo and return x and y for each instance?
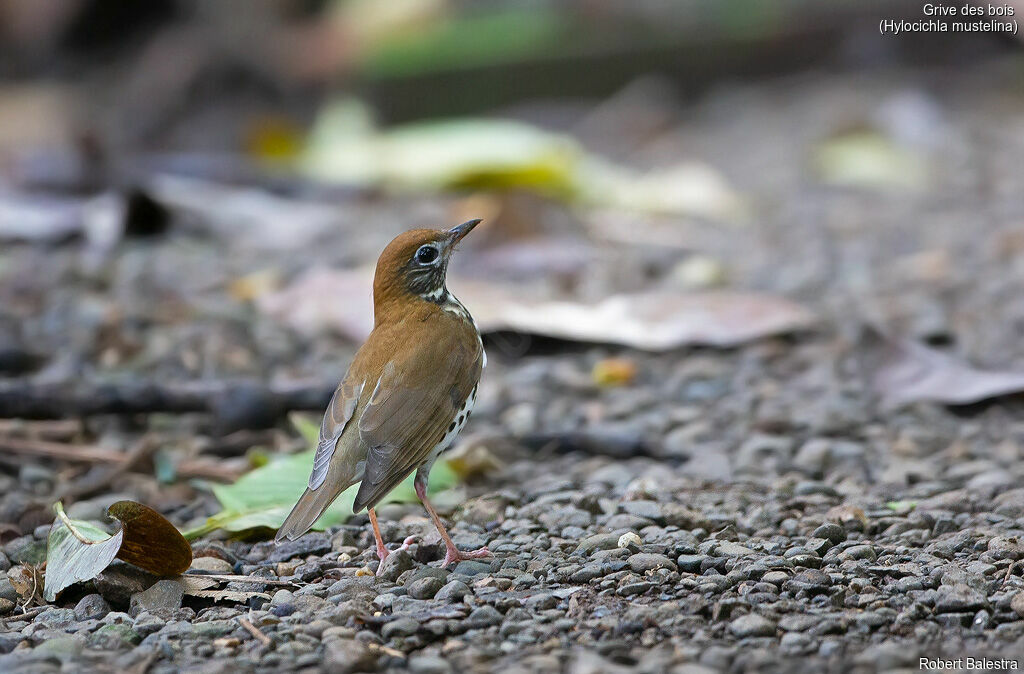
(27, 582)
(79, 551)
(150, 541)
(901, 372)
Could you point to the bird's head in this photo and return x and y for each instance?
(414, 264)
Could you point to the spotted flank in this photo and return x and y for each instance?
(456, 425)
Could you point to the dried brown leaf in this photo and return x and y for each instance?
(150, 541)
(900, 372)
(653, 320)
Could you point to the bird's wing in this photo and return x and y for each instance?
(403, 421)
(339, 412)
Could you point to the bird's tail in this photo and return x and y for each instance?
(308, 510)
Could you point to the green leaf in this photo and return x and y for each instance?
(264, 497)
(76, 551)
(307, 426)
(870, 160)
(901, 506)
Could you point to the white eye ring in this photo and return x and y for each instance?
(427, 254)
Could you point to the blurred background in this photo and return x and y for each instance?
(751, 273)
(193, 194)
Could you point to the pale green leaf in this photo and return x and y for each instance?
(869, 159)
(76, 551)
(265, 496)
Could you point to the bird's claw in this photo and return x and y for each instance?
(455, 555)
(383, 552)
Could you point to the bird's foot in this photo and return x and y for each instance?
(455, 555)
(383, 552)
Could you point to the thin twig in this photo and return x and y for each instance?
(27, 615)
(255, 631)
(91, 454)
(1009, 570)
(230, 578)
(139, 451)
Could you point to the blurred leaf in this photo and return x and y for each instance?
(307, 426)
(497, 154)
(79, 551)
(508, 35)
(902, 507)
(251, 286)
(687, 188)
(472, 459)
(613, 372)
(76, 551)
(901, 372)
(264, 497)
(469, 153)
(653, 320)
(869, 159)
(273, 140)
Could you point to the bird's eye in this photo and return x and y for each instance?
(426, 254)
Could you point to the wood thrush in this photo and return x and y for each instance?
(407, 394)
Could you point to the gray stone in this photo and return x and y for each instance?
(830, 531)
(730, 549)
(344, 656)
(483, 616)
(453, 591)
(114, 637)
(163, 595)
(63, 648)
(311, 544)
(91, 606)
(959, 598)
(7, 590)
(26, 550)
(401, 627)
(691, 563)
(647, 509)
(429, 664)
(860, 552)
(597, 542)
(809, 580)
(56, 617)
(424, 588)
(643, 562)
(752, 625)
(471, 567)
(147, 624)
(394, 565)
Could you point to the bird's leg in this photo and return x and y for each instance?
(452, 554)
(382, 551)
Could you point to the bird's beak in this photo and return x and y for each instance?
(456, 234)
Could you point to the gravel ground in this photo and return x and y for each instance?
(780, 521)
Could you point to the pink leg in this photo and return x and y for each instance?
(452, 554)
(382, 551)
